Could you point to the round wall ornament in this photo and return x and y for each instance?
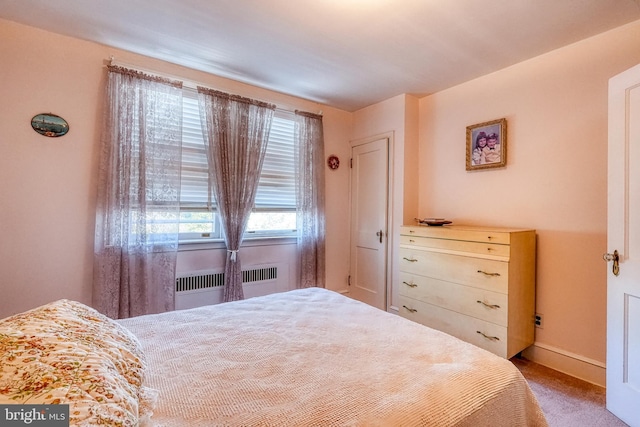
(333, 161)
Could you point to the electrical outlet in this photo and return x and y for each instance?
(538, 320)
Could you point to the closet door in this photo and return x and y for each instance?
(369, 205)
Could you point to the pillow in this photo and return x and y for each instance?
(68, 353)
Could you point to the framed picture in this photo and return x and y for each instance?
(487, 145)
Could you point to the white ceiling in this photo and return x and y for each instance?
(344, 53)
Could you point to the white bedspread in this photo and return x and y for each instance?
(313, 357)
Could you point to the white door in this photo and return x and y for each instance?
(623, 236)
(369, 194)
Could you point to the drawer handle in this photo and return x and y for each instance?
(489, 274)
(411, 285)
(488, 305)
(411, 310)
(489, 337)
(410, 259)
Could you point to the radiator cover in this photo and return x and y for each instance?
(198, 288)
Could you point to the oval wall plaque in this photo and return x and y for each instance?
(49, 125)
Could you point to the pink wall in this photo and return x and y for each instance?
(48, 185)
(556, 175)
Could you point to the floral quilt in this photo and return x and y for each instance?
(68, 353)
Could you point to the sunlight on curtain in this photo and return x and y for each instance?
(138, 208)
(236, 132)
(310, 199)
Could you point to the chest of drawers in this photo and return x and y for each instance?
(475, 283)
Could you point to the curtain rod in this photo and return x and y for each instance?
(191, 84)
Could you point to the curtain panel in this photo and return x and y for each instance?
(138, 210)
(310, 199)
(236, 132)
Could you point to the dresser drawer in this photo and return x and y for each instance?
(477, 272)
(483, 334)
(489, 249)
(459, 233)
(480, 303)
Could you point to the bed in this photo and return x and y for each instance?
(309, 357)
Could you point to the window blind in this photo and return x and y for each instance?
(277, 187)
(276, 190)
(194, 190)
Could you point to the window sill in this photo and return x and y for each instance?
(204, 244)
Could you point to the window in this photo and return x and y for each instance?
(274, 211)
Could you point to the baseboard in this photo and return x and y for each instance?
(568, 363)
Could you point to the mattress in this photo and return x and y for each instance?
(313, 357)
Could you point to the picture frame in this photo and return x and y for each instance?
(490, 153)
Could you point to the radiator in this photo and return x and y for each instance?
(205, 287)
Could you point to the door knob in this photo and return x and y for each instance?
(616, 261)
(380, 234)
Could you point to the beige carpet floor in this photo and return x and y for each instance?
(565, 400)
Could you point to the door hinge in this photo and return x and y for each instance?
(351, 163)
(349, 280)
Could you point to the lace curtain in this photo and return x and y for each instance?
(138, 212)
(236, 132)
(310, 199)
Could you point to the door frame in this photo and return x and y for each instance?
(391, 202)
